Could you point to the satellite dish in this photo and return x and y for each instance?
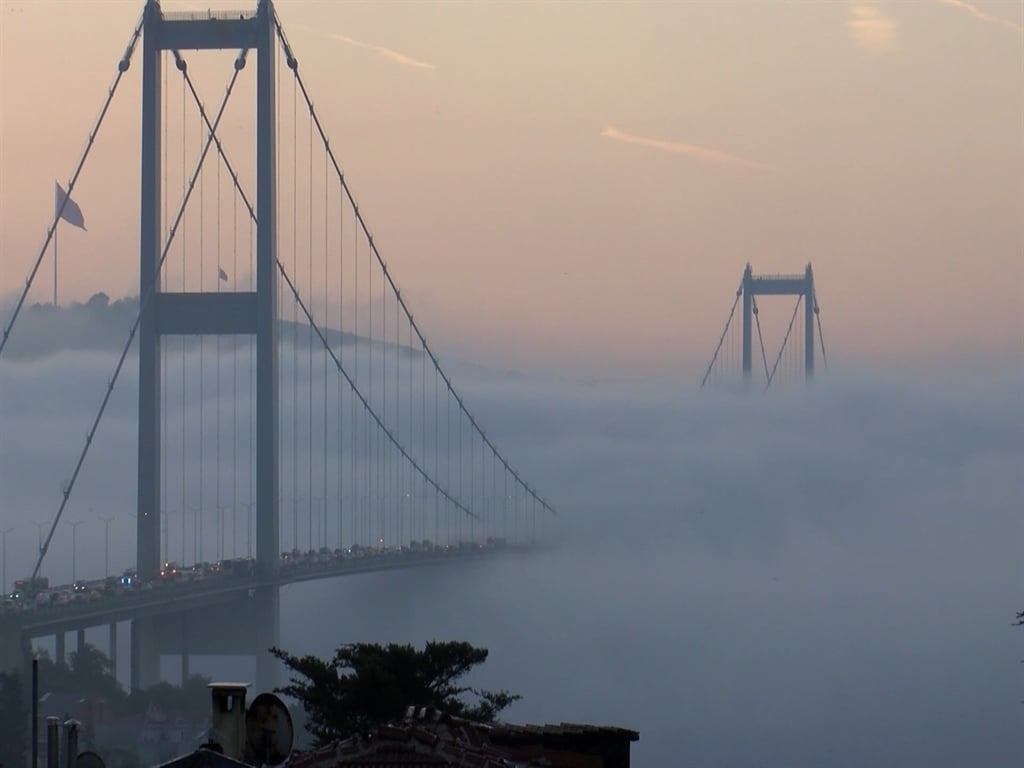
(90, 760)
(268, 731)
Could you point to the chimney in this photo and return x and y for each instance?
(53, 742)
(72, 726)
(228, 703)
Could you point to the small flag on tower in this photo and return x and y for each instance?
(222, 274)
(71, 213)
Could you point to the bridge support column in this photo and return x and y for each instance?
(112, 648)
(13, 650)
(184, 648)
(809, 306)
(748, 313)
(148, 512)
(79, 640)
(267, 521)
(268, 635)
(59, 650)
(145, 654)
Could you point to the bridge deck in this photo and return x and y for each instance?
(127, 604)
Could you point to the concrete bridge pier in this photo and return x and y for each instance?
(268, 634)
(185, 672)
(59, 650)
(14, 650)
(112, 648)
(145, 664)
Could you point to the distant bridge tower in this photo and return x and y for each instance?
(208, 313)
(734, 354)
(778, 285)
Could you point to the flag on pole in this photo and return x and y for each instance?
(72, 214)
(222, 274)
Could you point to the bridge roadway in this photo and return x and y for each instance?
(126, 604)
(221, 613)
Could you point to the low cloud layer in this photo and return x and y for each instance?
(822, 577)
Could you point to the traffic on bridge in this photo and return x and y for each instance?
(36, 599)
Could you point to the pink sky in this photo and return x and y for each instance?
(578, 185)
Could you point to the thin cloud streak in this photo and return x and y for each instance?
(387, 53)
(679, 148)
(981, 15)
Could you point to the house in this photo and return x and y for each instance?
(423, 737)
(428, 738)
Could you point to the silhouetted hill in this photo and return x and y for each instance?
(101, 324)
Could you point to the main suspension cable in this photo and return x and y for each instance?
(785, 339)
(721, 339)
(821, 336)
(122, 67)
(300, 304)
(293, 65)
(760, 338)
(143, 303)
(355, 390)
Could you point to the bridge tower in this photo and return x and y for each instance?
(252, 313)
(778, 285)
(199, 313)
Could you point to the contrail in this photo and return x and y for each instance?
(701, 153)
(981, 15)
(387, 53)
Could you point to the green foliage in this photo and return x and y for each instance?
(367, 683)
(191, 696)
(13, 741)
(89, 672)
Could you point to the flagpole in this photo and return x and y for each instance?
(55, 228)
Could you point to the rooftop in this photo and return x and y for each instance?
(429, 738)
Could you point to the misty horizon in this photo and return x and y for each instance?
(846, 518)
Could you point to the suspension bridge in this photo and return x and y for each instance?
(292, 416)
(733, 359)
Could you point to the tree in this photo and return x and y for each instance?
(367, 683)
(88, 672)
(191, 696)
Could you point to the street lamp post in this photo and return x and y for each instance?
(106, 543)
(164, 519)
(295, 522)
(221, 544)
(74, 548)
(248, 527)
(40, 524)
(309, 524)
(313, 500)
(197, 537)
(3, 535)
(403, 502)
